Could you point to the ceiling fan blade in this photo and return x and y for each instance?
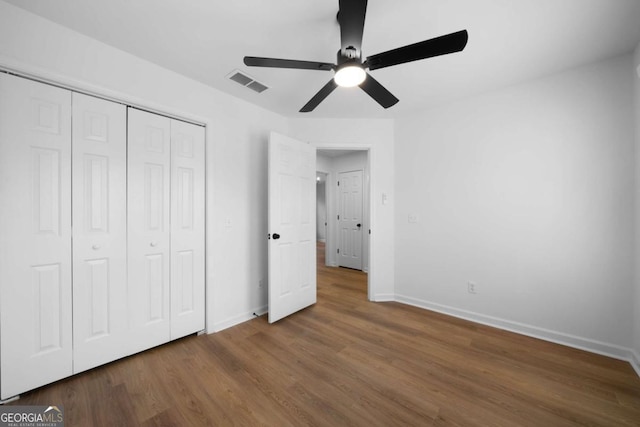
(378, 92)
(442, 45)
(253, 61)
(351, 18)
(319, 97)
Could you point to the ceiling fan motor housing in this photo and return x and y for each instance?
(352, 53)
(352, 56)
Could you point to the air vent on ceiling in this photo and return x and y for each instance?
(247, 81)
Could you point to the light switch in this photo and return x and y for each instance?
(385, 198)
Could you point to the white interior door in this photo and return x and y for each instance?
(99, 231)
(35, 225)
(350, 219)
(292, 226)
(148, 229)
(187, 228)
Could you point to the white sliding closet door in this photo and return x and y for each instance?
(148, 184)
(35, 225)
(99, 231)
(187, 228)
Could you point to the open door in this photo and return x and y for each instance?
(292, 226)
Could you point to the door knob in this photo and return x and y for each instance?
(153, 244)
(358, 225)
(95, 247)
(276, 236)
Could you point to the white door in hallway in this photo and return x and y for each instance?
(291, 226)
(35, 228)
(99, 231)
(350, 224)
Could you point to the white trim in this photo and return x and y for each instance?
(635, 361)
(236, 320)
(593, 346)
(11, 399)
(46, 76)
(383, 298)
(43, 75)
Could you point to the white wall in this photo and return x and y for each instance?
(236, 145)
(529, 192)
(636, 322)
(323, 162)
(378, 137)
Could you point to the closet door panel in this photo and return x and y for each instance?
(35, 225)
(99, 231)
(187, 228)
(148, 212)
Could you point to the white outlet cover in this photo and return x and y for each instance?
(412, 218)
(472, 287)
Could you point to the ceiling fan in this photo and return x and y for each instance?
(350, 68)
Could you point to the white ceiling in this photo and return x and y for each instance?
(510, 41)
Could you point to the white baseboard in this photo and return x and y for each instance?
(635, 361)
(383, 297)
(11, 399)
(569, 340)
(236, 320)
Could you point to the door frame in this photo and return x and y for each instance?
(331, 197)
(326, 210)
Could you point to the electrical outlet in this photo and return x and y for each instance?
(472, 287)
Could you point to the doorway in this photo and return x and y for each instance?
(342, 237)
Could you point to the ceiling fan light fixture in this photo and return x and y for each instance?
(350, 76)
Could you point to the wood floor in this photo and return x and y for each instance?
(346, 361)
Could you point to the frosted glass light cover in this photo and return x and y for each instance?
(350, 76)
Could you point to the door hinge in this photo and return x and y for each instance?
(338, 216)
(338, 183)
(338, 250)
